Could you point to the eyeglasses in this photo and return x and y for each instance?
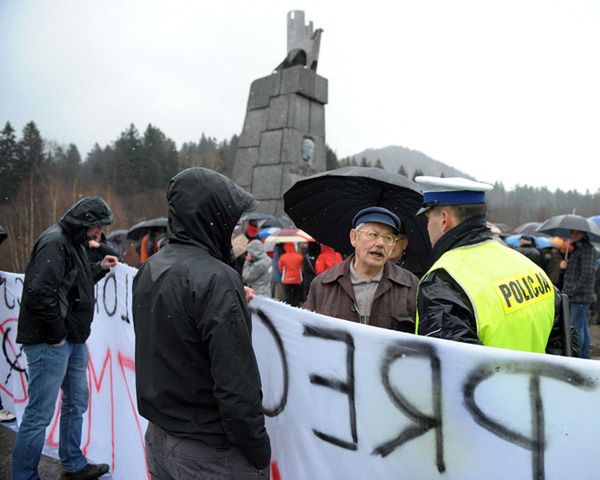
(387, 238)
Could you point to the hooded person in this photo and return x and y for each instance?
(197, 378)
(290, 264)
(256, 272)
(57, 308)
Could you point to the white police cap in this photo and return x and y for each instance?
(451, 191)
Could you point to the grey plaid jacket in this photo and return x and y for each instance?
(580, 274)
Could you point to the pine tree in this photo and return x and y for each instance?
(32, 150)
(418, 173)
(69, 167)
(402, 171)
(378, 164)
(9, 163)
(331, 161)
(160, 161)
(129, 160)
(227, 151)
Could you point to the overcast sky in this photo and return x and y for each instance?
(503, 90)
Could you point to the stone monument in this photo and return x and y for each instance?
(283, 138)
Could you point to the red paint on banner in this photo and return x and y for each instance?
(275, 475)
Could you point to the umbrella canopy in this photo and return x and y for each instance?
(266, 232)
(279, 222)
(256, 216)
(528, 227)
(291, 234)
(561, 226)
(140, 229)
(540, 241)
(595, 219)
(325, 204)
(116, 233)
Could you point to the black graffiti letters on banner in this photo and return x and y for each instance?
(109, 301)
(422, 421)
(343, 386)
(276, 410)
(536, 442)
(15, 303)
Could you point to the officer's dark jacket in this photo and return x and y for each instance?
(196, 372)
(444, 309)
(58, 293)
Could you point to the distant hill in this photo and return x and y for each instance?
(393, 156)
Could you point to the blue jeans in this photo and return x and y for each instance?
(50, 368)
(580, 319)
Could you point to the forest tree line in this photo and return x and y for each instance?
(40, 179)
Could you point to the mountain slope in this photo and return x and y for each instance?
(394, 156)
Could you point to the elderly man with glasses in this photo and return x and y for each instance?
(366, 288)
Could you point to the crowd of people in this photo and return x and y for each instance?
(190, 308)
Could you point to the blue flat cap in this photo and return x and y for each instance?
(377, 215)
(451, 191)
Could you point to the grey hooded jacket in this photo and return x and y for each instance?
(257, 269)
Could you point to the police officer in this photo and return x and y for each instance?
(479, 291)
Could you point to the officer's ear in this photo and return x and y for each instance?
(448, 218)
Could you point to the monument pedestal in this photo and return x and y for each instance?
(283, 138)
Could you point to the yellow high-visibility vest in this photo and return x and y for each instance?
(512, 298)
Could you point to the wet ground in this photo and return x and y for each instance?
(50, 468)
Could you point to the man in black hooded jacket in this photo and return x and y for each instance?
(57, 308)
(197, 378)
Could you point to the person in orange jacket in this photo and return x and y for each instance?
(327, 259)
(290, 266)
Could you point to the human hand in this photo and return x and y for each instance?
(249, 294)
(92, 243)
(563, 264)
(109, 261)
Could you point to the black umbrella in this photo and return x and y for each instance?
(255, 216)
(279, 222)
(324, 205)
(116, 233)
(140, 229)
(561, 226)
(528, 227)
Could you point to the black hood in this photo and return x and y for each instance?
(86, 213)
(204, 208)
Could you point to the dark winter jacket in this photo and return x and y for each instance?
(58, 294)
(196, 372)
(394, 306)
(579, 277)
(445, 311)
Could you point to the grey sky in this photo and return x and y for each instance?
(503, 90)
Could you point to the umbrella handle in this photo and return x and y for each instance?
(567, 249)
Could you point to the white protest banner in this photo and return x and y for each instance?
(113, 431)
(347, 401)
